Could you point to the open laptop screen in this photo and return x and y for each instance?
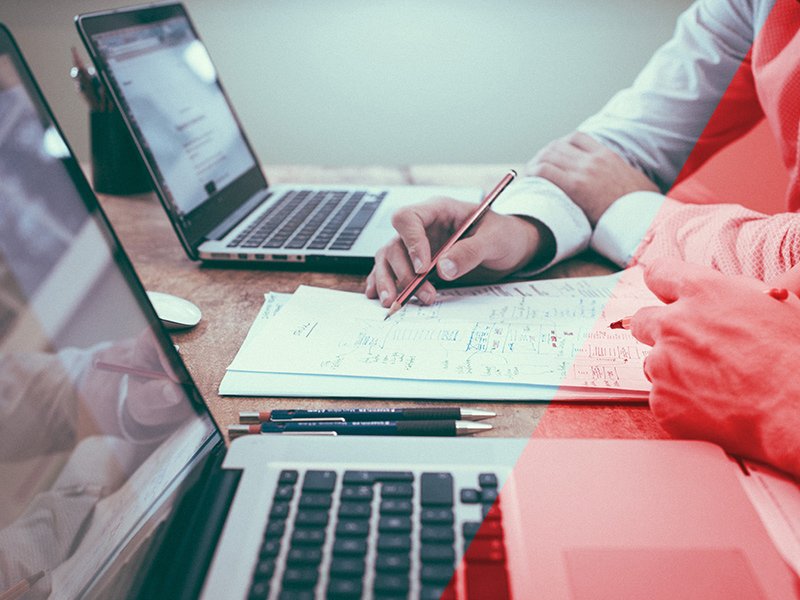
(167, 87)
(98, 417)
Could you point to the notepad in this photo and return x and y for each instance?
(533, 340)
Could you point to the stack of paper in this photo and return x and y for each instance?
(536, 340)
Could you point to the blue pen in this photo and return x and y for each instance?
(392, 428)
(433, 413)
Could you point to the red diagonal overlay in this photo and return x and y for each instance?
(483, 573)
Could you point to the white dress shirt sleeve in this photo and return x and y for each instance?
(655, 123)
(621, 229)
(544, 201)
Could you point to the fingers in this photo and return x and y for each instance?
(392, 273)
(666, 278)
(414, 225)
(646, 324)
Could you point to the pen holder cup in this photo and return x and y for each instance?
(117, 167)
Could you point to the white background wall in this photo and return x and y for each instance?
(357, 82)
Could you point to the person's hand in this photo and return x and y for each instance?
(724, 362)
(495, 247)
(150, 402)
(592, 175)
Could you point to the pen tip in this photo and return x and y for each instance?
(471, 427)
(616, 325)
(392, 309)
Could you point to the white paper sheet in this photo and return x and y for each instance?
(516, 341)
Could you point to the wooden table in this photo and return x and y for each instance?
(231, 297)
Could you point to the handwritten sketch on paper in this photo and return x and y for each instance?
(536, 333)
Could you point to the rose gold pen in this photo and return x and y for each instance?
(481, 210)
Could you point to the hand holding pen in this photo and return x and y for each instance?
(495, 245)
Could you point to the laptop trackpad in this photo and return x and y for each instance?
(660, 574)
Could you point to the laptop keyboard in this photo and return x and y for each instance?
(381, 534)
(313, 220)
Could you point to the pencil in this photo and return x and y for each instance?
(481, 210)
(126, 370)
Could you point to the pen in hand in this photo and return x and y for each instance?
(481, 210)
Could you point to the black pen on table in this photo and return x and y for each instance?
(391, 428)
(445, 413)
(481, 210)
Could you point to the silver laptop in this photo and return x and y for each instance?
(204, 170)
(116, 483)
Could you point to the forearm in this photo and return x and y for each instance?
(656, 123)
(726, 237)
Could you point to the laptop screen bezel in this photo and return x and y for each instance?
(215, 439)
(193, 228)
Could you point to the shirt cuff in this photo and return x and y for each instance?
(544, 201)
(621, 229)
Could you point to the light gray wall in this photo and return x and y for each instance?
(361, 82)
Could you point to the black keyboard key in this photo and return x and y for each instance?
(394, 524)
(344, 588)
(370, 477)
(437, 516)
(434, 592)
(349, 547)
(487, 581)
(470, 530)
(435, 553)
(436, 573)
(288, 477)
(488, 495)
(487, 480)
(308, 537)
(275, 528)
(397, 490)
(356, 493)
(347, 567)
(436, 489)
(296, 595)
(357, 528)
(269, 548)
(259, 590)
(393, 562)
(312, 519)
(396, 507)
(264, 569)
(280, 510)
(437, 534)
(394, 543)
(284, 493)
(304, 556)
(491, 511)
(355, 510)
(319, 481)
(300, 577)
(392, 584)
(489, 550)
(315, 501)
(470, 496)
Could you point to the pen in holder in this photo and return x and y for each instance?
(117, 166)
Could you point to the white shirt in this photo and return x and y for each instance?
(654, 124)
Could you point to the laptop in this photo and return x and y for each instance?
(117, 483)
(205, 171)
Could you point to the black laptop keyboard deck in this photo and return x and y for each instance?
(381, 534)
(314, 220)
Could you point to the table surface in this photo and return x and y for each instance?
(230, 298)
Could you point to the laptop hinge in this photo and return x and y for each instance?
(237, 216)
(187, 546)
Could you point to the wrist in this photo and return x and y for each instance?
(539, 243)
